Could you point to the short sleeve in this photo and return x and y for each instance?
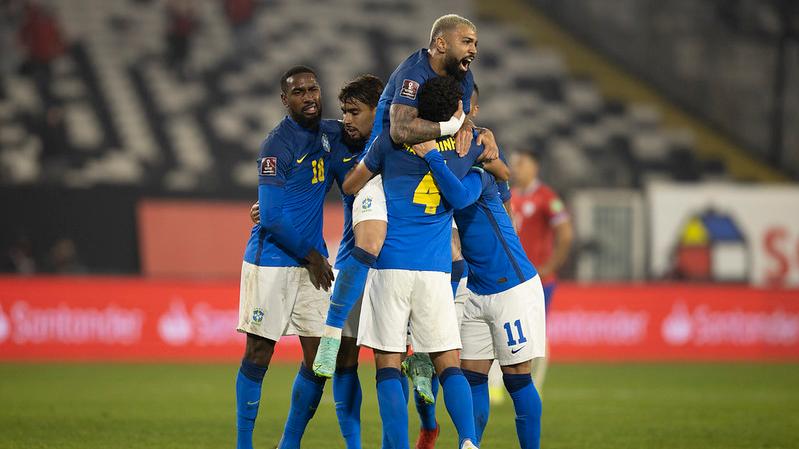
(274, 162)
(555, 210)
(406, 91)
(376, 153)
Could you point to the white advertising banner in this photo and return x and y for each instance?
(725, 232)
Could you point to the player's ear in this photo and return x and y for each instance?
(283, 99)
(441, 44)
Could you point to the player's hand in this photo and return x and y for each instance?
(421, 149)
(486, 137)
(463, 138)
(255, 213)
(320, 270)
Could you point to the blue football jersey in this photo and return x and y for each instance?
(403, 86)
(343, 156)
(494, 253)
(296, 159)
(419, 220)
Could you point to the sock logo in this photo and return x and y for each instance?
(257, 316)
(253, 403)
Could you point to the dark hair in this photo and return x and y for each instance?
(297, 69)
(438, 98)
(476, 90)
(365, 88)
(530, 152)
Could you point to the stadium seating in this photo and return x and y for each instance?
(132, 119)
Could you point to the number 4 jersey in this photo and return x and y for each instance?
(419, 219)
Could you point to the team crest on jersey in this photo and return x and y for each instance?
(257, 316)
(268, 166)
(325, 143)
(366, 204)
(409, 89)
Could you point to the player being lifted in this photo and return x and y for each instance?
(285, 271)
(504, 315)
(358, 100)
(412, 278)
(453, 46)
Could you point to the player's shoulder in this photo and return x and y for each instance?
(416, 67)
(279, 138)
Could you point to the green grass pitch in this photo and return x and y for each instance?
(90, 406)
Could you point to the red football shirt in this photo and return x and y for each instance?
(536, 212)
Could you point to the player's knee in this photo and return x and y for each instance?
(370, 235)
(259, 350)
(518, 368)
(347, 353)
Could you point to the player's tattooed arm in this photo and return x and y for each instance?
(408, 128)
(356, 179)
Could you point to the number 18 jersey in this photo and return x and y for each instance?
(419, 219)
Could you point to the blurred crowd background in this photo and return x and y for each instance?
(129, 125)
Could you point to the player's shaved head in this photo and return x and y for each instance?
(296, 70)
(447, 23)
(365, 88)
(438, 98)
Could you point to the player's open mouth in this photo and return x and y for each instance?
(310, 109)
(465, 63)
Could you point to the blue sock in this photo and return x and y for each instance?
(427, 412)
(527, 405)
(458, 399)
(404, 383)
(393, 410)
(458, 267)
(248, 397)
(305, 396)
(347, 396)
(350, 283)
(479, 384)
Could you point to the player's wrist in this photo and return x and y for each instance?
(451, 126)
(432, 155)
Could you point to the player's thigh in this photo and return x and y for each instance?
(370, 216)
(476, 334)
(433, 319)
(518, 323)
(385, 310)
(265, 300)
(310, 306)
(309, 347)
(478, 366)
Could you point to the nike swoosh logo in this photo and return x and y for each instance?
(347, 159)
(514, 351)
(299, 161)
(253, 403)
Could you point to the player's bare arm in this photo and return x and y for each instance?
(498, 168)
(563, 242)
(356, 179)
(407, 127)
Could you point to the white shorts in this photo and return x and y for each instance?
(370, 202)
(509, 326)
(351, 325)
(401, 298)
(461, 295)
(277, 301)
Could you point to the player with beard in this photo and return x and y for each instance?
(285, 273)
(453, 46)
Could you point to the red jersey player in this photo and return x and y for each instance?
(543, 225)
